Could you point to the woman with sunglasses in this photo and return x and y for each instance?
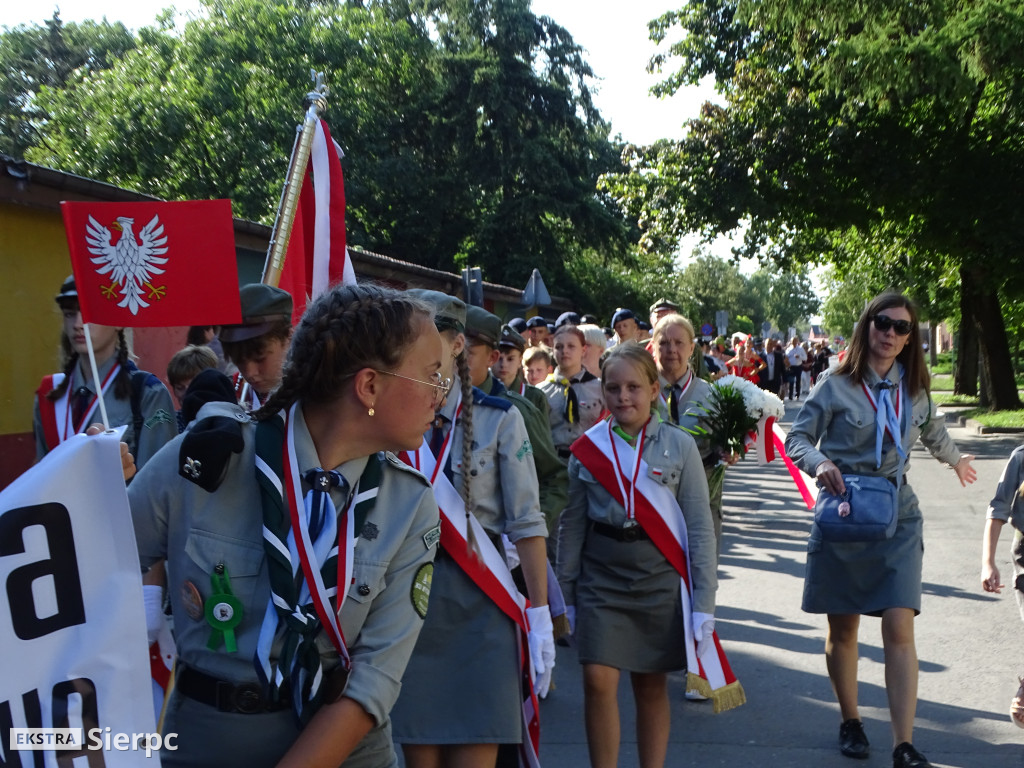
(879, 390)
(299, 553)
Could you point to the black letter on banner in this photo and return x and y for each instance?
(33, 719)
(62, 565)
(6, 723)
(86, 689)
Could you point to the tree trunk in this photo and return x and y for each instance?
(933, 352)
(987, 316)
(965, 372)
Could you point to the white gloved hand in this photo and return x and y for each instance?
(542, 647)
(703, 629)
(153, 598)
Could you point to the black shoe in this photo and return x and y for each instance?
(905, 756)
(852, 741)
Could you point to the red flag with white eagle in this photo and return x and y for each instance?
(154, 264)
(317, 257)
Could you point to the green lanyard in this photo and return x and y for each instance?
(223, 611)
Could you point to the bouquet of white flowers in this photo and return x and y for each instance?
(734, 412)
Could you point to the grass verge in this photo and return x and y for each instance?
(988, 418)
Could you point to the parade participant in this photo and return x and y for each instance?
(537, 333)
(462, 692)
(596, 344)
(66, 403)
(508, 369)
(1006, 506)
(573, 392)
(261, 521)
(568, 318)
(483, 331)
(878, 392)
(259, 344)
(538, 364)
(631, 611)
(682, 396)
(660, 309)
(185, 365)
(746, 364)
(795, 358)
(624, 325)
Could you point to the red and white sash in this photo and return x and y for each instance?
(683, 390)
(244, 394)
(658, 513)
(489, 572)
(56, 414)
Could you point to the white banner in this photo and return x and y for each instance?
(73, 648)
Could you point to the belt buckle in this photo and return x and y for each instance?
(630, 531)
(247, 699)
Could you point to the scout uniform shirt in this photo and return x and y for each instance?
(590, 400)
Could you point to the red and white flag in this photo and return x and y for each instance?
(154, 264)
(317, 257)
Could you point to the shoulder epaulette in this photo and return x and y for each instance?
(397, 463)
(479, 398)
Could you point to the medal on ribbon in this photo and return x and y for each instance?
(223, 611)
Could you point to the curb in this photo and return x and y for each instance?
(978, 428)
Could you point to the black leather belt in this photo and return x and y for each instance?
(633, 533)
(241, 698)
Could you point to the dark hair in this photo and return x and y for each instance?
(69, 358)
(248, 349)
(348, 328)
(855, 363)
(197, 334)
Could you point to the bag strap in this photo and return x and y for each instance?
(139, 379)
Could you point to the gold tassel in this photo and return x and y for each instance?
(695, 682)
(728, 697)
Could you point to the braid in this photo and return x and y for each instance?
(348, 328)
(123, 382)
(70, 359)
(467, 448)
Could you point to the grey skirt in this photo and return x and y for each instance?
(866, 577)
(462, 685)
(208, 738)
(1018, 570)
(628, 607)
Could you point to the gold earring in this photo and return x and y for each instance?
(370, 412)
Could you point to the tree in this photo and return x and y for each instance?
(788, 297)
(711, 284)
(896, 121)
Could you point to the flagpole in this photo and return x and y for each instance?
(96, 379)
(281, 233)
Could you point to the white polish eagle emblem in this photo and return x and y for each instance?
(131, 262)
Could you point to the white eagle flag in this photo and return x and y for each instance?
(73, 641)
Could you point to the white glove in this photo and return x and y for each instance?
(153, 597)
(570, 616)
(542, 647)
(703, 629)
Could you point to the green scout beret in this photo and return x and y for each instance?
(663, 304)
(511, 338)
(263, 306)
(481, 325)
(449, 312)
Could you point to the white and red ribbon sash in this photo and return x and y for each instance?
(763, 440)
(489, 572)
(319, 594)
(658, 513)
(62, 407)
(803, 481)
(331, 263)
(244, 392)
(683, 390)
(522, 388)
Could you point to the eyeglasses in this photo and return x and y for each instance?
(883, 323)
(441, 386)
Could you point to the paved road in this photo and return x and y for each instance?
(969, 643)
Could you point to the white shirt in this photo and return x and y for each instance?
(796, 355)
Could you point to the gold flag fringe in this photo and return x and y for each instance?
(729, 697)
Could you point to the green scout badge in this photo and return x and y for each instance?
(421, 589)
(223, 611)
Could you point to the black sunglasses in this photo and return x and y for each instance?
(883, 323)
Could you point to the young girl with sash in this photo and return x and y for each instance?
(867, 414)
(299, 554)
(68, 402)
(468, 686)
(573, 392)
(636, 557)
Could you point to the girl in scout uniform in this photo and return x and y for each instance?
(630, 608)
(878, 391)
(462, 692)
(573, 392)
(299, 555)
(66, 403)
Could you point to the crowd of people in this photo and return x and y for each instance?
(413, 501)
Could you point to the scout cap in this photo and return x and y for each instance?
(567, 318)
(263, 307)
(67, 290)
(449, 312)
(510, 338)
(622, 314)
(663, 304)
(537, 322)
(517, 324)
(481, 325)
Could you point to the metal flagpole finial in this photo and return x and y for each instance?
(318, 96)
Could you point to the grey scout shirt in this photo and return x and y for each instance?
(591, 403)
(840, 415)
(158, 420)
(196, 530)
(1006, 504)
(672, 460)
(502, 474)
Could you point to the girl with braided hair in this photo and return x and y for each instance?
(299, 553)
(463, 693)
(67, 402)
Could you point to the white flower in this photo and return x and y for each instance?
(758, 402)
